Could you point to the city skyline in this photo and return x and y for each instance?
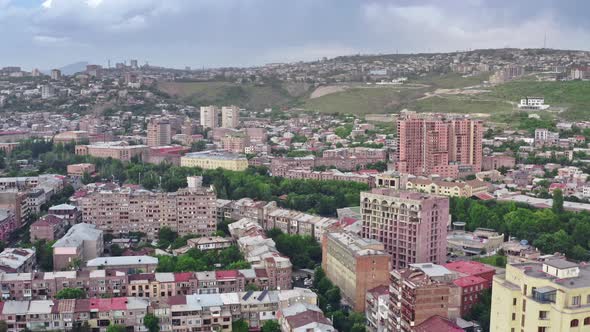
(180, 33)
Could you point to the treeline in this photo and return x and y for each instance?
(304, 251)
(550, 230)
(196, 260)
(321, 197)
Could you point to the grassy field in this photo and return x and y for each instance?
(572, 99)
(244, 95)
(364, 100)
(451, 80)
(573, 96)
(492, 260)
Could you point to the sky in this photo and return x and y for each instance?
(214, 33)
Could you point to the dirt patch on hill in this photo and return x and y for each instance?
(327, 90)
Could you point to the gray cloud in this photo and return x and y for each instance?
(45, 33)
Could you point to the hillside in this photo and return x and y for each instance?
(449, 93)
(245, 95)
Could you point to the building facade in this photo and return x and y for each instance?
(446, 148)
(541, 296)
(412, 226)
(187, 211)
(159, 133)
(214, 160)
(354, 264)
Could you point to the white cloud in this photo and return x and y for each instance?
(44, 39)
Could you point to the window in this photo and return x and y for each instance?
(542, 329)
(574, 323)
(576, 300)
(543, 314)
(523, 305)
(587, 321)
(514, 301)
(513, 316)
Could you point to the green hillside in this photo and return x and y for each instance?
(363, 100)
(244, 95)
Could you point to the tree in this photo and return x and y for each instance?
(116, 328)
(239, 326)
(151, 322)
(71, 293)
(116, 250)
(3, 326)
(84, 327)
(271, 326)
(252, 287)
(166, 236)
(198, 146)
(557, 201)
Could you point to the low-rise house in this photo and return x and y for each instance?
(17, 260)
(49, 227)
(81, 243)
(131, 264)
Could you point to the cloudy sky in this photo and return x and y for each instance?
(211, 33)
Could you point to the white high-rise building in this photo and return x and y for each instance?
(230, 116)
(209, 116)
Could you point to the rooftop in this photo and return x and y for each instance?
(214, 154)
(122, 260)
(78, 234)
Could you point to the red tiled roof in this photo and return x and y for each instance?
(379, 290)
(227, 274)
(484, 196)
(182, 276)
(469, 281)
(177, 299)
(261, 273)
(115, 303)
(438, 324)
(306, 317)
(470, 268)
(347, 221)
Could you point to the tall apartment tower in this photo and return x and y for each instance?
(432, 146)
(159, 133)
(209, 116)
(56, 74)
(412, 226)
(230, 116)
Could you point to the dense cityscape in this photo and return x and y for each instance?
(400, 192)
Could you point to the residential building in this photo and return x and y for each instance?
(354, 264)
(56, 74)
(80, 169)
(210, 243)
(541, 296)
(235, 143)
(209, 116)
(230, 116)
(132, 264)
(479, 242)
(116, 150)
(495, 162)
(80, 244)
(49, 228)
(447, 188)
(159, 132)
(124, 210)
(17, 260)
(295, 222)
(446, 148)
(377, 309)
(420, 292)
(473, 279)
(438, 324)
(215, 159)
(8, 223)
(533, 103)
(412, 226)
(78, 136)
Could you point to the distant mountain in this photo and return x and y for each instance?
(73, 68)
